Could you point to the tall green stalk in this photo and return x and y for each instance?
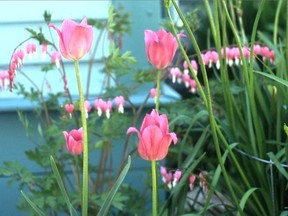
(85, 142)
(158, 89)
(153, 162)
(154, 188)
(256, 131)
(206, 98)
(276, 22)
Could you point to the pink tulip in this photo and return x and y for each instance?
(75, 40)
(154, 136)
(74, 141)
(160, 47)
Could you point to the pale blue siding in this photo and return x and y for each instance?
(15, 16)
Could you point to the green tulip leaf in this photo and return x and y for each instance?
(32, 205)
(61, 186)
(107, 203)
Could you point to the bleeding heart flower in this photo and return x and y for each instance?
(120, 101)
(154, 136)
(56, 58)
(75, 40)
(69, 108)
(3, 76)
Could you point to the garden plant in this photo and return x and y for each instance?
(220, 150)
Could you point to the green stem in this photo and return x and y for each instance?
(207, 100)
(153, 162)
(276, 22)
(154, 188)
(157, 102)
(85, 142)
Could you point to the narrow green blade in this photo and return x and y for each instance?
(32, 205)
(107, 203)
(61, 186)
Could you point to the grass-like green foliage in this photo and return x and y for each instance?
(246, 106)
(232, 130)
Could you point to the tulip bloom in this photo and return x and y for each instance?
(74, 141)
(154, 136)
(160, 47)
(75, 40)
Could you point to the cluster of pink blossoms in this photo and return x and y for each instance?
(211, 57)
(172, 178)
(100, 106)
(30, 50)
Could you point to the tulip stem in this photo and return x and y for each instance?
(157, 102)
(85, 142)
(154, 188)
(153, 162)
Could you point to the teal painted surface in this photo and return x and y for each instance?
(13, 143)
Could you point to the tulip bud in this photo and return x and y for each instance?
(75, 40)
(154, 136)
(160, 47)
(74, 141)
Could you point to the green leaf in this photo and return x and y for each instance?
(107, 203)
(245, 198)
(216, 177)
(278, 165)
(32, 205)
(286, 129)
(61, 186)
(273, 77)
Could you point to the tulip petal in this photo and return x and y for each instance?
(74, 141)
(84, 22)
(148, 120)
(174, 137)
(80, 42)
(65, 136)
(133, 130)
(163, 147)
(163, 123)
(75, 40)
(151, 139)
